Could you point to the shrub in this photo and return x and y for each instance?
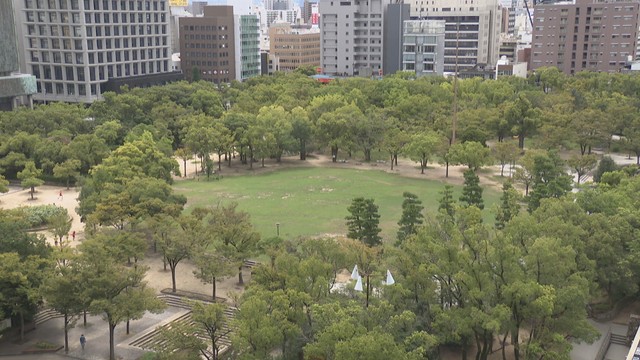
(39, 215)
(606, 165)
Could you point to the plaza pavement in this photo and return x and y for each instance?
(96, 333)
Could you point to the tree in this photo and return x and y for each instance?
(211, 265)
(394, 141)
(59, 225)
(522, 117)
(118, 293)
(178, 241)
(363, 221)
(422, 147)
(472, 191)
(525, 170)
(68, 170)
(471, 153)
(509, 207)
(233, 229)
(506, 152)
(4, 184)
(30, 177)
(184, 155)
(367, 131)
(62, 290)
(582, 165)
(549, 179)
(301, 129)
(412, 217)
(606, 164)
(446, 202)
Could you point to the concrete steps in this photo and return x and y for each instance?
(44, 315)
(618, 339)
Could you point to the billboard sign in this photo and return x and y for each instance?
(178, 3)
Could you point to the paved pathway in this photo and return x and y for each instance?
(96, 333)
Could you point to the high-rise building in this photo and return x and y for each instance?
(247, 29)
(596, 35)
(79, 48)
(197, 8)
(423, 47)
(293, 47)
(351, 36)
(471, 33)
(392, 28)
(207, 45)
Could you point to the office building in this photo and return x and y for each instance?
(392, 29)
(471, 32)
(594, 35)
(351, 36)
(79, 48)
(292, 47)
(207, 45)
(423, 47)
(247, 29)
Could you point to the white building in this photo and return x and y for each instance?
(423, 47)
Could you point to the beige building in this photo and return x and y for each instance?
(472, 30)
(292, 47)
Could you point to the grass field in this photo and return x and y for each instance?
(313, 201)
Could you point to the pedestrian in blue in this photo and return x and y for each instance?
(83, 341)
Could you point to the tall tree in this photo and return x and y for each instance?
(471, 153)
(68, 170)
(509, 207)
(233, 229)
(185, 155)
(549, 179)
(446, 202)
(472, 191)
(363, 221)
(30, 177)
(411, 218)
(301, 129)
(582, 165)
(506, 152)
(422, 147)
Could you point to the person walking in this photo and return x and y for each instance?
(83, 341)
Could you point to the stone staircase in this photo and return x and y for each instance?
(618, 339)
(152, 340)
(45, 315)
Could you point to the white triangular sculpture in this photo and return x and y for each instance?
(390, 280)
(358, 284)
(354, 273)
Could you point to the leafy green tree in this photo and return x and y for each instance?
(30, 177)
(332, 127)
(411, 218)
(394, 141)
(523, 118)
(212, 266)
(277, 121)
(422, 147)
(509, 206)
(181, 237)
(363, 221)
(20, 281)
(606, 164)
(89, 149)
(549, 179)
(233, 229)
(632, 138)
(473, 154)
(118, 293)
(525, 171)
(367, 131)
(301, 129)
(582, 165)
(59, 225)
(472, 191)
(446, 202)
(185, 155)
(505, 152)
(4, 184)
(68, 170)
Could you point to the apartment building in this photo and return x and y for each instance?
(76, 47)
(351, 36)
(207, 45)
(594, 35)
(292, 47)
(472, 29)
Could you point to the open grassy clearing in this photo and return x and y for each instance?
(314, 201)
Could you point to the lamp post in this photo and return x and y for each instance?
(355, 275)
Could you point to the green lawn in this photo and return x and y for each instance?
(312, 201)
